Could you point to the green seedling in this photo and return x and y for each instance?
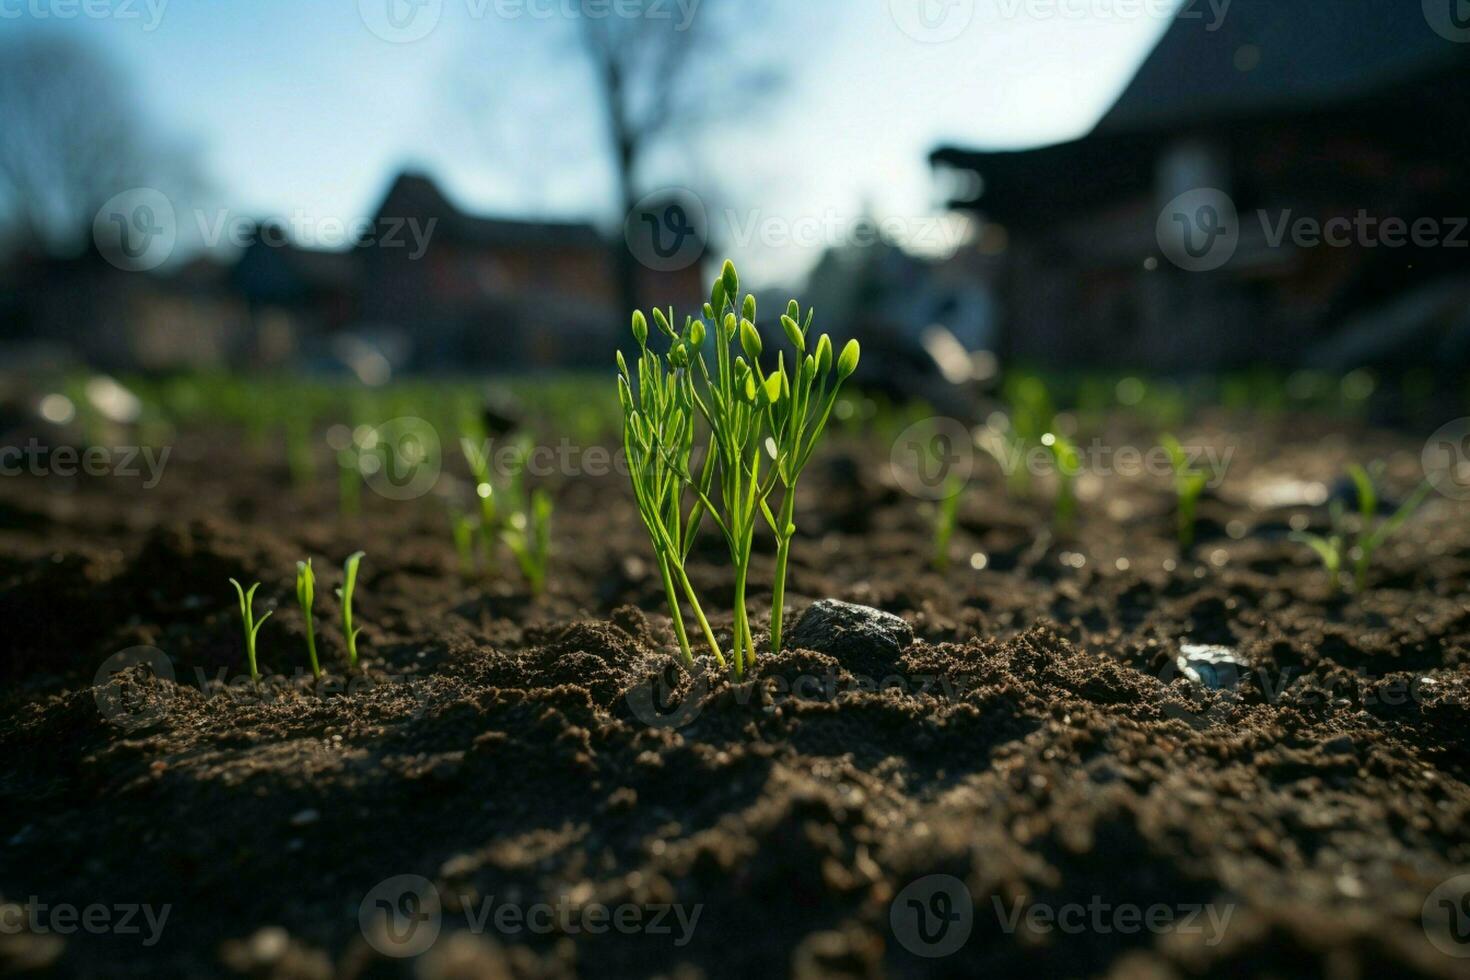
(477, 457)
(252, 625)
(528, 536)
(798, 407)
(1371, 534)
(349, 583)
(752, 417)
(658, 442)
(945, 517)
(349, 483)
(462, 526)
(306, 595)
(1189, 484)
(1068, 465)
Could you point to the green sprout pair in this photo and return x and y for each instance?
(1189, 484)
(750, 417)
(306, 598)
(1333, 549)
(506, 516)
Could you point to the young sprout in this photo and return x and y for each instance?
(252, 625)
(944, 521)
(1189, 483)
(306, 595)
(349, 582)
(798, 407)
(529, 539)
(1332, 548)
(752, 417)
(462, 526)
(1068, 465)
(1371, 533)
(658, 442)
(349, 483)
(477, 457)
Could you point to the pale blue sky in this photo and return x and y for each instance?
(299, 105)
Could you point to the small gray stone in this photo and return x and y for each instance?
(1214, 667)
(855, 635)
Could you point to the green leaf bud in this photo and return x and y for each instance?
(750, 340)
(793, 333)
(848, 362)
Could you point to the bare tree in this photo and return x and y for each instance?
(663, 68)
(73, 137)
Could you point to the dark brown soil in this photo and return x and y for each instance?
(1035, 743)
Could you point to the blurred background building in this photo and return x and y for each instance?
(629, 154)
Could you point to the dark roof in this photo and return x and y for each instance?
(415, 195)
(1272, 56)
(1322, 68)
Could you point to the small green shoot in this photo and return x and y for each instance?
(528, 536)
(751, 417)
(1332, 548)
(306, 595)
(349, 583)
(1189, 484)
(252, 625)
(349, 483)
(1068, 465)
(477, 457)
(945, 518)
(462, 526)
(1371, 533)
